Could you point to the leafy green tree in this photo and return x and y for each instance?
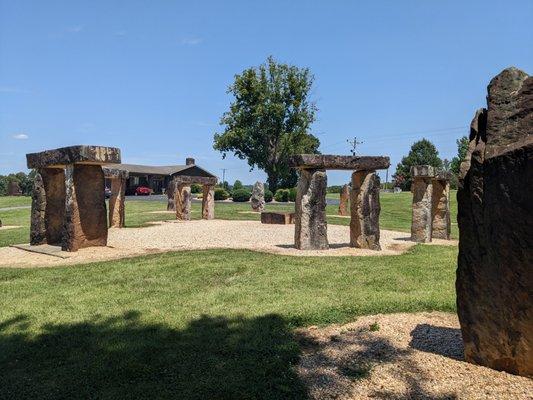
(422, 152)
(269, 119)
(237, 185)
(462, 147)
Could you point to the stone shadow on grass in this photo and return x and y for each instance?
(125, 358)
(439, 340)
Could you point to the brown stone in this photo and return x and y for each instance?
(85, 210)
(422, 189)
(311, 232)
(280, 218)
(440, 212)
(365, 209)
(495, 217)
(258, 197)
(324, 161)
(183, 198)
(171, 190)
(117, 215)
(13, 189)
(344, 200)
(73, 154)
(208, 202)
(38, 212)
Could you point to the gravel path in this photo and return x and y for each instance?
(175, 235)
(410, 356)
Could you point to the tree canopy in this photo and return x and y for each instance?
(422, 152)
(462, 147)
(269, 119)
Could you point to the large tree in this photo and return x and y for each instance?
(269, 119)
(462, 147)
(422, 152)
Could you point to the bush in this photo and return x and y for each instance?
(282, 195)
(334, 189)
(221, 194)
(196, 188)
(241, 195)
(237, 185)
(292, 194)
(268, 196)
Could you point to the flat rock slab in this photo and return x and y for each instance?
(427, 171)
(115, 173)
(81, 154)
(46, 249)
(281, 218)
(353, 163)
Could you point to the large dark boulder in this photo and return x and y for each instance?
(495, 198)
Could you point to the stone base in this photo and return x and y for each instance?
(280, 218)
(311, 231)
(365, 209)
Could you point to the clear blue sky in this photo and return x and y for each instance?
(150, 77)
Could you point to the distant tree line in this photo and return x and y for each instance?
(24, 180)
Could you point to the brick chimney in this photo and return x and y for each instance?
(189, 161)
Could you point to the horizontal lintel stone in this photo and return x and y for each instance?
(201, 180)
(115, 173)
(81, 154)
(324, 161)
(427, 171)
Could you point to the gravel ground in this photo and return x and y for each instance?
(175, 235)
(399, 356)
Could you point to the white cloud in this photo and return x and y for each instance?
(20, 136)
(191, 41)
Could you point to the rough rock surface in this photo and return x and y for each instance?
(440, 210)
(311, 232)
(365, 209)
(495, 275)
(208, 202)
(38, 210)
(171, 190)
(74, 154)
(280, 218)
(183, 199)
(117, 215)
(258, 197)
(13, 189)
(325, 161)
(344, 200)
(85, 209)
(422, 189)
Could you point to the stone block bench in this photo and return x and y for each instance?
(281, 218)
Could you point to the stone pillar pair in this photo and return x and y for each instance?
(310, 218)
(68, 199)
(183, 201)
(431, 204)
(118, 179)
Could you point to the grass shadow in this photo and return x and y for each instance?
(122, 357)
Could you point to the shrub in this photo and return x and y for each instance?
(221, 193)
(237, 185)
(268, 196)
(282, 195)
(334, 189)
(196, 188)
(241, 195)
(292, 194)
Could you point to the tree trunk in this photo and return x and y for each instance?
(272, 180)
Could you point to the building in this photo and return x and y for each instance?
(158, 178)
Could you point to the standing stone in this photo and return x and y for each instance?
(311, 226)
(13, 189)
(365, 209)
(171, 190)
(38, 212)
(258, 197)
(54, 216)
(440, 228)
(344, 200)
(183, 199)
(208, 202)
(422, 189)
(494, 274)
(85, 210)
(117, 213)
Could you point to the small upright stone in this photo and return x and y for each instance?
(344, 200)
(258, 197)
(311, 231)
(13, 189)
(365, 209)
(422, 189)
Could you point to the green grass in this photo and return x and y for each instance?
(395, 214)
(195, 325)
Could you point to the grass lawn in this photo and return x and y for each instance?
(395, 214)
(195, 325)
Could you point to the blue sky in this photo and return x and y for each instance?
(150, 77)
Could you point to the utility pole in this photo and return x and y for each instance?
(354, 144)
(224, 176)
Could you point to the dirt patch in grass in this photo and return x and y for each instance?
(399, 356)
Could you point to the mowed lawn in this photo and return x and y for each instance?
(395, 214)
(214, 324)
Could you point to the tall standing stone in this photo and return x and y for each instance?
(13, 189)
(344, 200)
(494, 274)
(365, 209)
(310, 220)
(440, 212)
(422, 189)
(183, 199)
(117, 215)
(171, 190)
(38, 212)
(258, 197)
(208, 202)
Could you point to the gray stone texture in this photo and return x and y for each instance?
(258, 197)
(208, 202)
(73, 154)
(422, 189)
(170, 191)
(310, 221)
(440, 209)
(117, 204)
(365, 209)
(495, 275)
(344, 200)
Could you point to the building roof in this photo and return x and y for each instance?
(193, 170)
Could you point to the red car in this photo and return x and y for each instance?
(143, 191)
